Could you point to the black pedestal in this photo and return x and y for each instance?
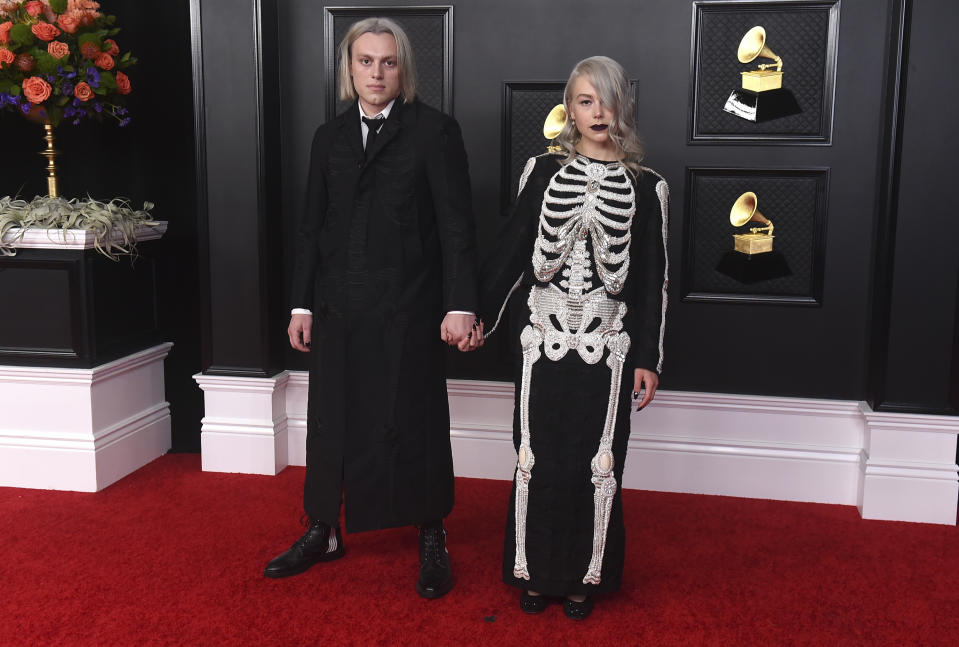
(753, 269)
(75, 308)
(762, 106)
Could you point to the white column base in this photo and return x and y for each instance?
(82, 429)
(244, 428)
(705, 443)
(910, 473)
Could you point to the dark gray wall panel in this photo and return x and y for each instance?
(923, 311)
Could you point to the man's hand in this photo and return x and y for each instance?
(459, 330)
(641, 377)
(300, 329)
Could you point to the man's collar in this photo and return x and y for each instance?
(385, 111)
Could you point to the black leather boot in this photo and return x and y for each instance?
(319, 543)
(436, 578)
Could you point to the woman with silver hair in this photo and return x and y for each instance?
(585, 248)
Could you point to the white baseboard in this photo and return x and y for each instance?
(892, 466)
(82, 429)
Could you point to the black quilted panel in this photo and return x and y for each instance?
(798, 34)
(427, 36)
(793, 200)
(528, 107)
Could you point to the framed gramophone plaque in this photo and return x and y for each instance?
(430, 30)
(755, 235)
(763, 72)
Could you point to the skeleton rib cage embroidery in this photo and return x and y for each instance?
(594, 201)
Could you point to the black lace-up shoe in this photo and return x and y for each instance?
(319, 543)
(436, 578)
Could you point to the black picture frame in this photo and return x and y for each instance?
(794, 199)
(434, 61)
(809, 48)
(525, 106)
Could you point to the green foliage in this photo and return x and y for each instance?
(113, 223)
(21, 35)
(46, 64)
(55, 113)
(58, 6)
(108, 80)
(90, 37)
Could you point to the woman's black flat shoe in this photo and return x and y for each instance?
(578, 610)
(532, 603)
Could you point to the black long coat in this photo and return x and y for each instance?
(386, 247)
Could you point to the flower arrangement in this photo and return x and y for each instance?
(58, 61)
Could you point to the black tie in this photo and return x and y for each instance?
(374, 125)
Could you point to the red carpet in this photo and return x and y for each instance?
(171, 555)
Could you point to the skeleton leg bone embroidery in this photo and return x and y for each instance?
(530, 339)
(603, 462)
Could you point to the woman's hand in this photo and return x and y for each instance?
(644, 378)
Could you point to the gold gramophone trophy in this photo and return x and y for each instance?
(759, 240)
(762, 96)
(555, 122)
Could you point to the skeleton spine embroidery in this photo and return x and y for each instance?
(584, 229)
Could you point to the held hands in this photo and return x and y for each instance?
(463, 331)
(641, 377)
(299, 331)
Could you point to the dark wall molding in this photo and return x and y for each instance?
(887, 201)
(239, 186)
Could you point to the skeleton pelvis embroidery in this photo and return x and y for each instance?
(568, 322)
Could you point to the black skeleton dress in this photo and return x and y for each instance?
(585, 253)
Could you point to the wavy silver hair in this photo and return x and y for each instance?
(609, 79)
(404, 56)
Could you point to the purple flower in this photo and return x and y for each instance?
(98, 107)
(25, 108)
(124, 122)
(93, 77)
(67, 89)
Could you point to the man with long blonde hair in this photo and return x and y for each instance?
(385, 260)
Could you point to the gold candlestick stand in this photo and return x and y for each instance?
(50, 153)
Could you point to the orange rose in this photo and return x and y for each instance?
(123, 83)
(5, 31)
(89, 50)
(36, 90)
(34, 8)
(68, 23)
(45, 31)
(82, 91)
(6, 57)
(114, 48)
(104, 61)
(57, 49)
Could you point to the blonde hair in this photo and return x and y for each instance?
(404, 56)
(609, 79)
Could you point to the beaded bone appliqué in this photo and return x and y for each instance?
(584, 200)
